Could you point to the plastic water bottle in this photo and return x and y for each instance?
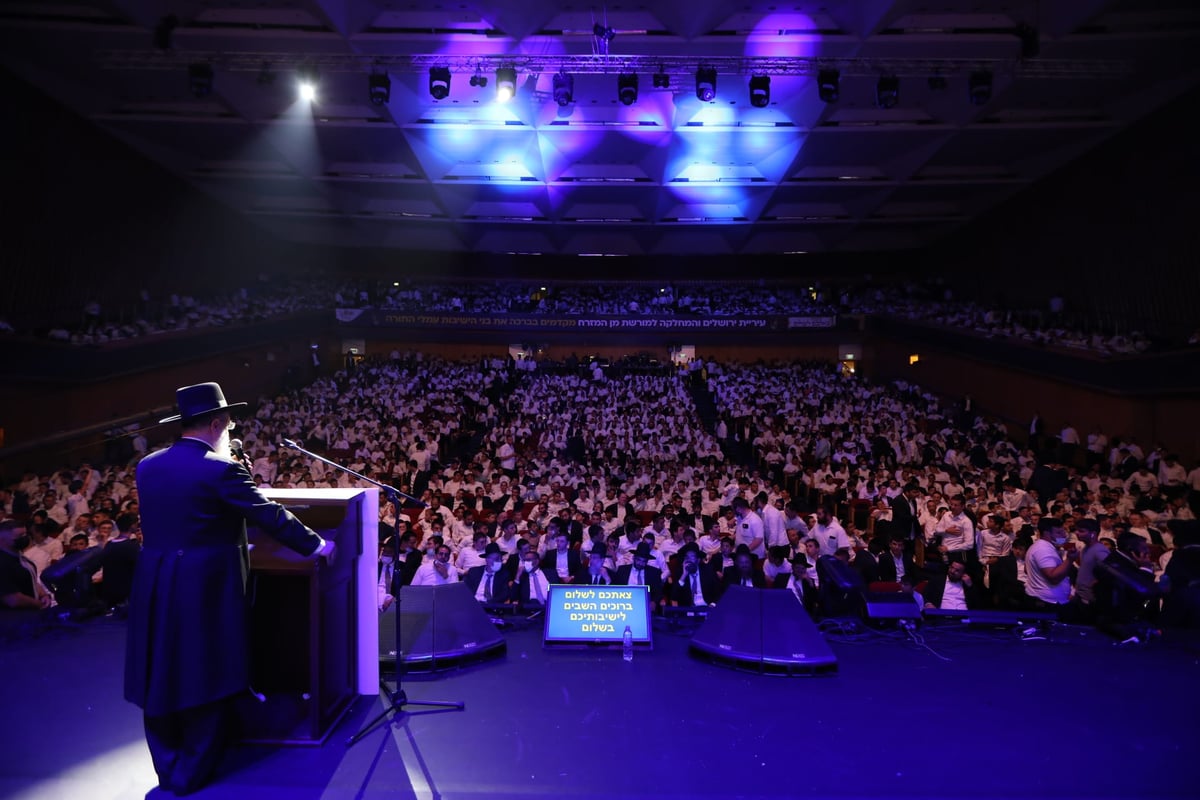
(627, 644)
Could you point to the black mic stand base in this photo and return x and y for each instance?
(397, 700)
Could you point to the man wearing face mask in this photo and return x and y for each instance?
(19, 584)
(489, 582)
(1046, 572)
(439, 571)
(531, 585)
(187, 653)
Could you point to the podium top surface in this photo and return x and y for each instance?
(315, 496)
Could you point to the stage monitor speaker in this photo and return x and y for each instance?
(766, 630)
(439, 627)
(891, 605)
(70, 578)
(837, 573)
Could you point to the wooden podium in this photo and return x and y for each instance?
(314, 627)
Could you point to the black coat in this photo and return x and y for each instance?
(501, 584)
(651, 575)
(1006, 589)
(188, 641)
(733, 578)
(681, 593)
(904, 524)
(520, 588)
(937, 588)
(887, 568)
(550, 565)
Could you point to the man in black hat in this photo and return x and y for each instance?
(697, 584)
(187, 647)
(490, 582)
(642, 573)
(594, 573)
(743, 572)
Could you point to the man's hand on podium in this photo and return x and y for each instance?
(327, 551)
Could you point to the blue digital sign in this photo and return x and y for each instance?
(597, 614)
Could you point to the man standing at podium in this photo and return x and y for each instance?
(187, 652)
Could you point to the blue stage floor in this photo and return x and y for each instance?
(974, 714)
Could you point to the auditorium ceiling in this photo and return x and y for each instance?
(943, 110)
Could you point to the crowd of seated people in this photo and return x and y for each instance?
(567, 299)
(929, 303)
(1034, 326)
(529, 479)
(180, 312)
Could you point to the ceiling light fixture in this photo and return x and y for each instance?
(200, 78)
(379, 88)
(887, 91)
(564, 88)
(829, 85)
(760, 91)
(308, 77)
(706, 84)
(439, 82)
(506, 84)
(627, 88)
(979, 88)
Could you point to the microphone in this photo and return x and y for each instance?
(235, 447)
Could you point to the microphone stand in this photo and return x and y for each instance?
(397, 700)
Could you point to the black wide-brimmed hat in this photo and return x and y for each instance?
(196, 401)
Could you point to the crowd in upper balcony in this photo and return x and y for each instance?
(931, 303)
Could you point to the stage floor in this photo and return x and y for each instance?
(969, 714)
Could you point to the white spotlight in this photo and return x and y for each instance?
(308, 92)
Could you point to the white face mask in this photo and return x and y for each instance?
(493, 567)
(530, 566)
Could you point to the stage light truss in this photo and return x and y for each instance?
(681, 69)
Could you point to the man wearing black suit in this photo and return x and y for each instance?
(697, 584)
(187, 650)
(562, 563)
(906, 523)
(953, 590)
(489, 583)
(896, 563)
(743, 572)
(531, 585)
(594, 573)
(640, 573)
(615, 509)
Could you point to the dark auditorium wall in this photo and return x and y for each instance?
(96, 220)
(1015, 396)
(37, 413)
(1114, 234)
